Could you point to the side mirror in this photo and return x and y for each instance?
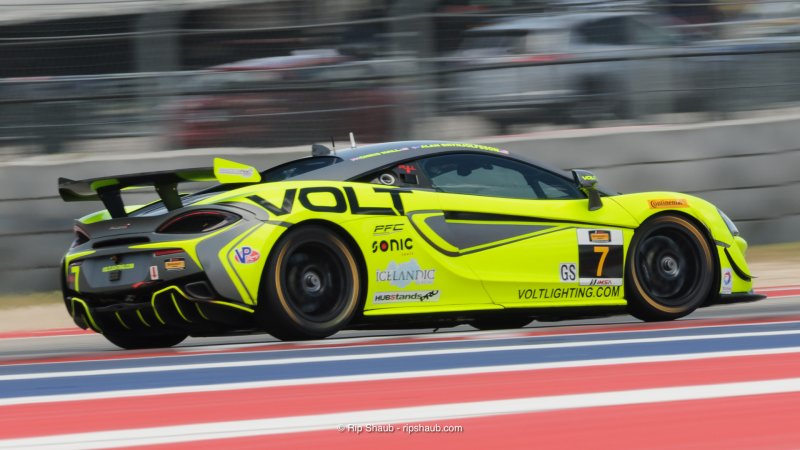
(587, 181)
(233, 172)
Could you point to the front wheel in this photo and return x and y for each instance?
(134, 341)
(311, 287)
(669, 269)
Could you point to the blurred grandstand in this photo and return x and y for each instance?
(133, 75)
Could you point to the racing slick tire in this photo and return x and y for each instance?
(500, 323)
(669, 269)
(136, 341)
(312, 285)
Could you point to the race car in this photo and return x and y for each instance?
(403, 234)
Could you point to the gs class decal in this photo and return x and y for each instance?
(600, 255)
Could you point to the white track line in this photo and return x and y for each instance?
(416, 414)
(130, 393)
(374, 341)
(383, 355)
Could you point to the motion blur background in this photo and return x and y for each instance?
(699, 96)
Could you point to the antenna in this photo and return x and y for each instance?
(333, 145)
(352, 140)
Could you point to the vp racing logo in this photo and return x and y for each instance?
(403, 274)
(246, 255)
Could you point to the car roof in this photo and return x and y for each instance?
(553, 22)
(359, 161)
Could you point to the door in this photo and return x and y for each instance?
(526, 232)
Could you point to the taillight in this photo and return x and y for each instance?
(198, 222)
(81, 237)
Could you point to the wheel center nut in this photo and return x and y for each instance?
(669, 265)
(312, 282)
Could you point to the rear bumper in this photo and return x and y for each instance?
(170, 308)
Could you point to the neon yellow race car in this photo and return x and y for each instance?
(400, 234)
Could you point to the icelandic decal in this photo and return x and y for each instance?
(175, 264)
(727, 281)
(403, 274)
(669, 203)
(392, 245)
(568, 293)
(405, 297)
(568, 272)
(117, 267)
(600, 254)
(154, 273)
(246, 255)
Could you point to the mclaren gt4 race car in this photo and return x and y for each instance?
(401, 234)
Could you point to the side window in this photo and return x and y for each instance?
(486, 175)
(403, 175)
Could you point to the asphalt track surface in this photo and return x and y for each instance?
(725, 377)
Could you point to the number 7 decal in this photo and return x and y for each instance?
(600, 265)
(603, 254)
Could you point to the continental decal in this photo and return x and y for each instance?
(118, 267)
(669, 203)
(568, 293)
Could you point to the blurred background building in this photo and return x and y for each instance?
(148, 75)
(96, 87)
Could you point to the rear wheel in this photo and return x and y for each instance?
(311, 287)
(669, 269)
(135, 341)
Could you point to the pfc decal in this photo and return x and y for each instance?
(405, 297)
(600, 254)
(118, 267)
(392, 245)
(727, 281)
(568, 272)
(153, 273)
(246, 255)
(390, 228)
(569, 292)
(403, 274)
(669, 203)
(175, 264)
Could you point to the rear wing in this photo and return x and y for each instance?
(108, 189)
